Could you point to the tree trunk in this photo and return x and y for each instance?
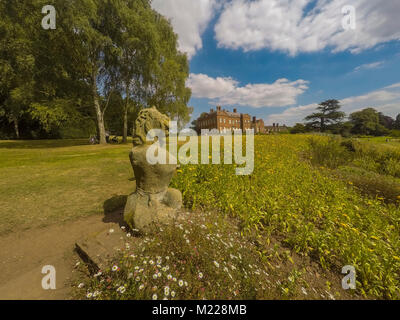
(125, 133)
(16, 128)
(99, 114)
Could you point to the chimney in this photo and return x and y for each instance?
(273, 124)
(254, 119)
(218, 108)
(234, 110)
(212, 110)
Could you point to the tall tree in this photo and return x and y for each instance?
(386, 121)
(88, 45)
(366, 122)
(100, 50)
(327, 114)
(168, 89)
(397, 122)
(136, 37)
(16, 61)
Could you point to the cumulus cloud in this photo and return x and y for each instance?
(189, 19)
(226, 91)
(386, 100)
(204, 86)
(294, 26)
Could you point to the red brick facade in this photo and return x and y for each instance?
(224, 120)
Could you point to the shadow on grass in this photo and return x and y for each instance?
(114, 209)
(41, 144)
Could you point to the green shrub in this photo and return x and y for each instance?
(395, 133)
(376, 185)
(392, 167)
(328, 152)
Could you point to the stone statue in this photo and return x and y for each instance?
(152, 202)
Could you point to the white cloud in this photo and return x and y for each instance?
(204, 86)
(189, 19)
(226, 91)
(369, 66)
(289, 26)
(386, 100)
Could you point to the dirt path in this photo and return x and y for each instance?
(23, 255)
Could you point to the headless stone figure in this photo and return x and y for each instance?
(152, 202)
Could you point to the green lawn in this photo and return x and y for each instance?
(395, 142)
(45, 182)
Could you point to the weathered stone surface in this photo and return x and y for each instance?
(173, 198)
(152, 202)
(97, 250)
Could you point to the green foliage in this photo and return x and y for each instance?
(298, 128)
(397, 122)
(49, 117)
(99, 48)
(328, 152)
(369, 182)
(327, 115)
(395, 133)
(381, 159)
(199, 257)
(367, 122)
(313, 213)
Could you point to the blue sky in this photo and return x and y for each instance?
(276, 59)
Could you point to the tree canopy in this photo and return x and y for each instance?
(105, 56)
(327, 114)
(367, 122)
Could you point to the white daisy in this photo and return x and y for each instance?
(166, 291)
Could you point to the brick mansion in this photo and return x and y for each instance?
(224, 120)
